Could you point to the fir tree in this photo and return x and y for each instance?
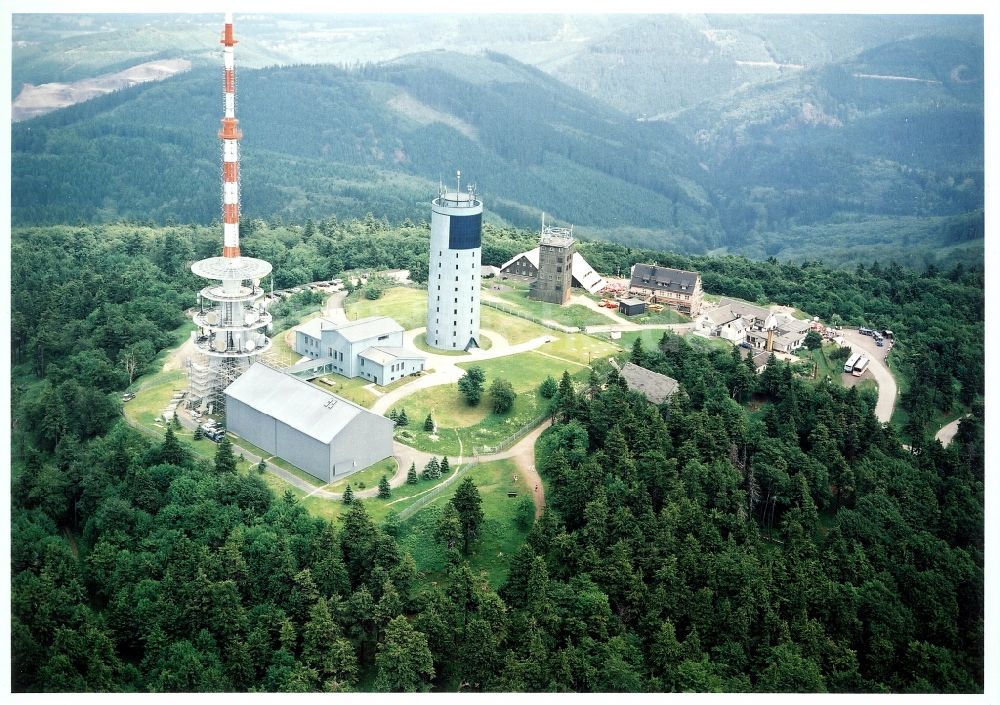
(445, 466)
(411, 476)
(225, 461)
(403, 420)
(262, 466)
(199, 432)
(383, 488)
(429, 424)
(348, 494)
(432, 470)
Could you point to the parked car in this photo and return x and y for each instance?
(128, 396)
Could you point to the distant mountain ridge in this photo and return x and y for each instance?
(848, 161)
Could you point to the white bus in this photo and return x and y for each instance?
(860, 366)
(851, 361)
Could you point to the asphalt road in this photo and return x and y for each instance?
(887, 391)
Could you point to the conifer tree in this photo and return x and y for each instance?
(348, 494)
(262, 466)
(403, 420)
(411, 476)
(383, 488)
(445, 466)
(172, 451)
(225, 461)
(199, 432)
(432, 470)
(429, 424)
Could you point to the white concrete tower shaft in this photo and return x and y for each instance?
(453, 275)
(230, 135)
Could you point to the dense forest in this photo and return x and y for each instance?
(757, 533)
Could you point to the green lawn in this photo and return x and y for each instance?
(578, 347)
(402, 497)
(825, 366)
(499, 537)
(650, 338)
(667, 315)
(515, 330)
(570, 315)
(152, 395)
(366, 478)
(351, 388)
(406, 306)
(478, 425)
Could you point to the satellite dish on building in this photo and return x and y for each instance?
(212, 317)
(251, 317)
(219, 344)
(249, 345)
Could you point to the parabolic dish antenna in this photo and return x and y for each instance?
(249, 345)
(219, 344)
(212, 317)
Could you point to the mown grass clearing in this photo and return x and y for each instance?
(499, 539)
(350, 388)
(478, 426)
(515, 330)
(667, 315)
(569, 315)
(406, 306)
(364, 479)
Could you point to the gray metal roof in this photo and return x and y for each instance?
(652, 385)
(370, 327)
(652, 276)
(384, 354)
(295, 402)
(314, 328)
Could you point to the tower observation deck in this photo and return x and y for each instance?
(232, 322)
(453, 274)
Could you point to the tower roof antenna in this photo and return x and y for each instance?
(458, 175)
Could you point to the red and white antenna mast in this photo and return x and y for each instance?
(230, 135)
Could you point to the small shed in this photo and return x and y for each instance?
(631, 307)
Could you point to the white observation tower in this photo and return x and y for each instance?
(453, 274)
(232, 323)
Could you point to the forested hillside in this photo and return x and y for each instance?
(823, 164)
(788, 544)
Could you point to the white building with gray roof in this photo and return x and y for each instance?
(371, 348)
(323, 434)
